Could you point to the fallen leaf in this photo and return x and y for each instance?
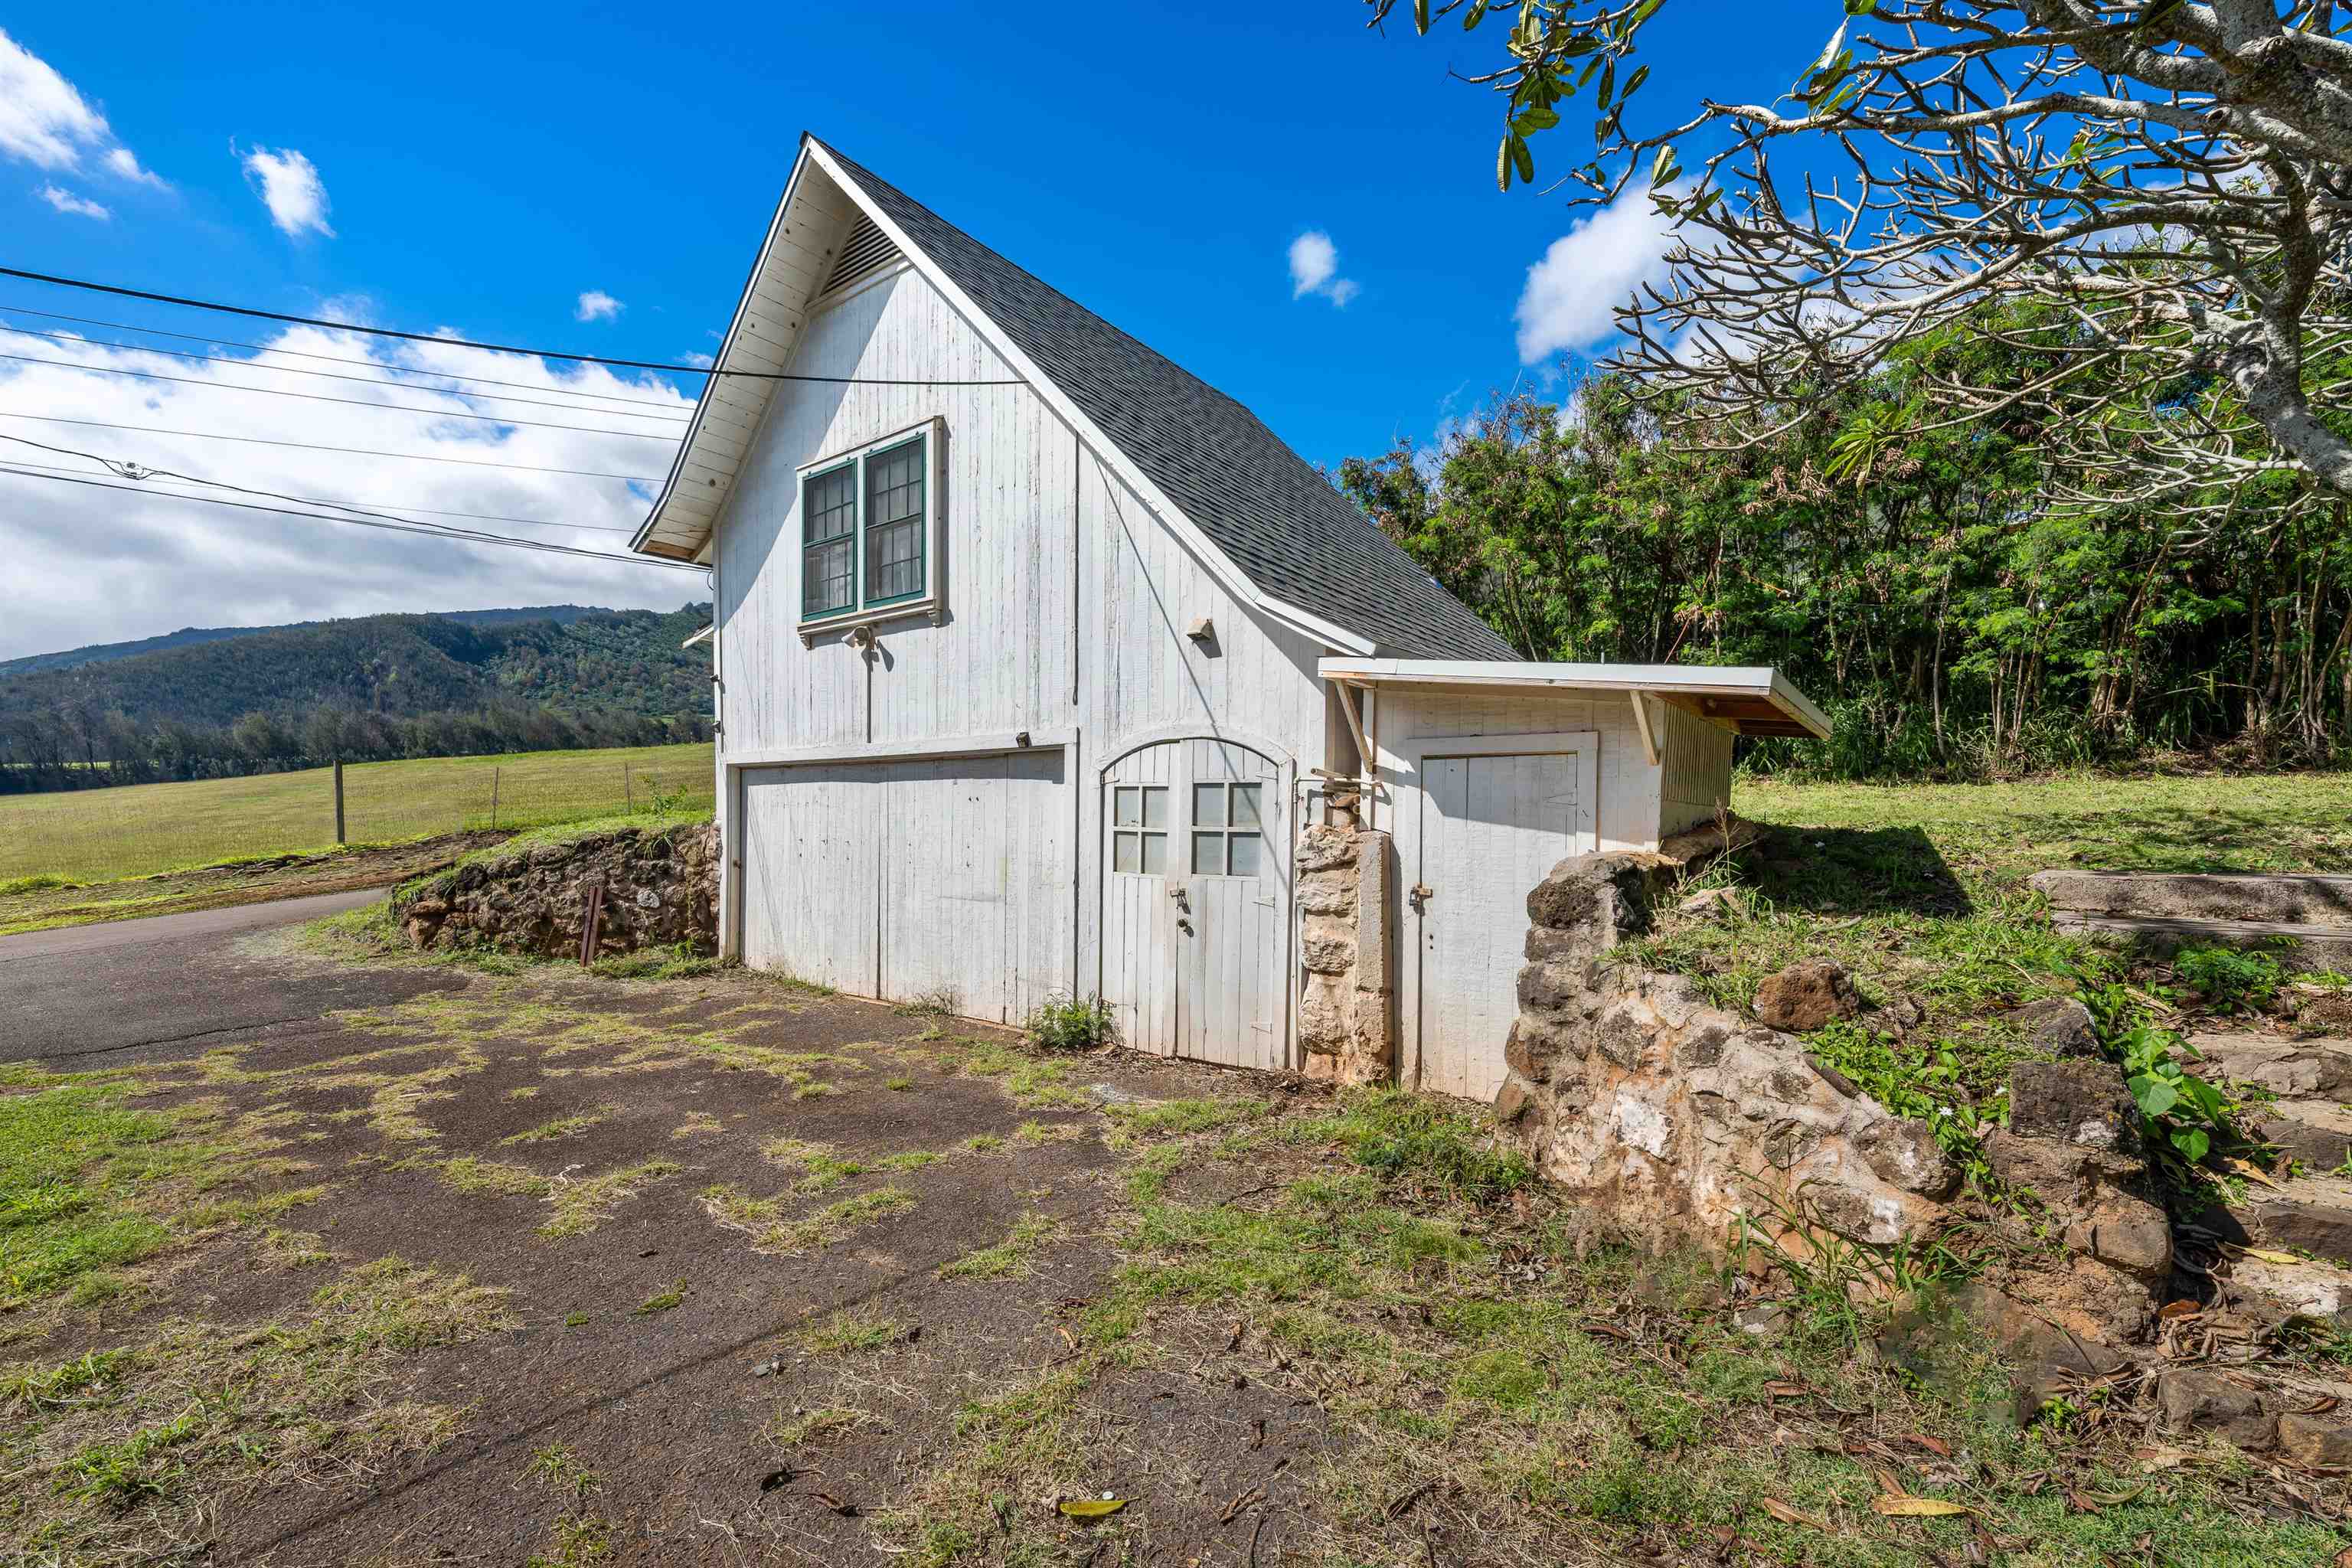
(1915, 1506)
(2320, 1407)
(2253, 1172)
(1093, 1507)
(2344, 1558)
(1787, 1515)
(2158, 1459)
(1780, 1389)
(1886, 1483)
(847, 1509)
(776, 1478)
(2264, 1255)
(1933, 1444)
(2183, 1309)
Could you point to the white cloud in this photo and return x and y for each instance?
(89, 564)
(289, 186)
(65, 201)
(1570, 298)
(596, 305)
(1314, 267)
(699, 361)
(47, 122)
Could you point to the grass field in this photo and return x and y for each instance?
(99, 834)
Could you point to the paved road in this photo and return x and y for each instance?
(173, 985)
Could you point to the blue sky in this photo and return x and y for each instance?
(483, 169)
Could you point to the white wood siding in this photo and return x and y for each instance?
(1068, 604)
(1697, 769)
(1625, 812)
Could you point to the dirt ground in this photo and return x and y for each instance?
(252, 882)
(783, 1157)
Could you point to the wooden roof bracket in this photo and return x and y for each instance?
(1366, 765)
(1642, 722)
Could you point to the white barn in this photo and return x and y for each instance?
(1034, 654)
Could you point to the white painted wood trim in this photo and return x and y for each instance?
(1642, 722)
(904, 750)
(1758, 681)
(1404, 770)
(1107, 452)
(932, 603)
(1265, 746)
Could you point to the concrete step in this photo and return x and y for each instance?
(2310, 1214)
(2291, 1070)
(2283, 899)
(2313, 946)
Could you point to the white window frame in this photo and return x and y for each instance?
(931, 601)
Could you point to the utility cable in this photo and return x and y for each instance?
(305, 354)
(404, 506)
(315, 447)
(117, 289)
(123, 468)
(328, 375)
(425, 530)
(348, 401)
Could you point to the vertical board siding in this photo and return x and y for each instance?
(1696, 780)
(1068, 604)
(1139, 919)
(812, 910)
(1230, 991)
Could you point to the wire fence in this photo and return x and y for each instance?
(139, 829)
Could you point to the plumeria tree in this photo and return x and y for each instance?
(2146, 199)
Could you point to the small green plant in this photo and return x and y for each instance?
(662, 1301)
(2186, 1118)
(2229, 980)
(39, 881)
(1070, 1024)
(560, 1467)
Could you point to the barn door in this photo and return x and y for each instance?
(1196, 900)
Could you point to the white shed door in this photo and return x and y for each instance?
(1196, 895)
(946, 880)
(1491, 827)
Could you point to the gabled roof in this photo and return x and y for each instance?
(1300, 545)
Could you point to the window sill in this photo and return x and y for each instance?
(931, 605)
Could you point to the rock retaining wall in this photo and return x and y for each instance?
(661, 890)
(1668, 1120)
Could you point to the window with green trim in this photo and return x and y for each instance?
(866, 530)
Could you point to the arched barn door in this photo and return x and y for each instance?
(1196, 900)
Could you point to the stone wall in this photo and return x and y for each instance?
(661, 890)
(1347, 1006)
(1665, 1119)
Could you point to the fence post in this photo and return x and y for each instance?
(628, 790)
(339, 802)
(494, 800)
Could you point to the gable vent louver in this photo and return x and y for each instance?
(866, 251)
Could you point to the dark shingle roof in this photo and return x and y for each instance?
(1297, 538)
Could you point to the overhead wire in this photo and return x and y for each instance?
(329, 374)
(125, 468)
(305, 354)
(429, 530)
(348, 401)
(712, 371)
(403, 506)
(315, 447)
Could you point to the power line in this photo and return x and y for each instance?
(122, 468)
(304, 353)
(117, 289)
(322, 398)
(425, 529)
(314, 446)
(404, 506)
(326, 375)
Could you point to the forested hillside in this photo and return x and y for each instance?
(103, 652)
(371, 687)
(1914, 576)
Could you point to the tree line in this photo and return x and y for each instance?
(1915, 574)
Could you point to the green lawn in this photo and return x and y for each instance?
(93, 835)
(2200, 822)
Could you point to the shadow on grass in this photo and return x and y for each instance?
(1854, 871)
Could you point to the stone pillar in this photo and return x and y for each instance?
(1346, 1005)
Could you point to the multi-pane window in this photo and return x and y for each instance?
(828, 540)
(1227, 830)
(865, 525)
(895, 522)
(1138, 822)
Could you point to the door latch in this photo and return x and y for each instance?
(1420, 895)
(1182, 897)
